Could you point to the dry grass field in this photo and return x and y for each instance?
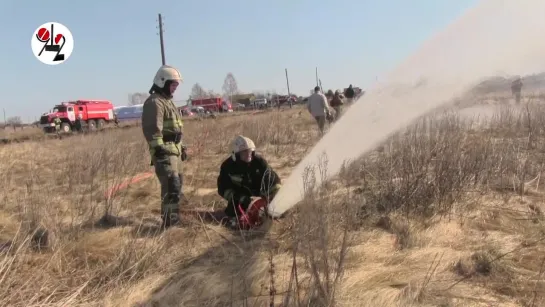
(445, 213)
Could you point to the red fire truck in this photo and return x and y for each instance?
(216, 104)
(94, 113)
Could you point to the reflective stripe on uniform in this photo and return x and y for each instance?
(228, 194)
(161, 118)
(236, 179)
(170, 207)
(173, 123)
(170, 147)
(156, 142)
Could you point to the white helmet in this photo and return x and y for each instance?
(166, 73)
(241, 143)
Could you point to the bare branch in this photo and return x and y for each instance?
(198, 92)
(230, 86)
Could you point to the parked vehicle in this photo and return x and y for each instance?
(282, 99)
(185, 111)
(260, 103)
(127, 113)
(95, 113)
(216, 104)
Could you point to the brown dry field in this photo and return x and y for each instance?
(445, 213)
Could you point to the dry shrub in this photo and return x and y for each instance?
(442, 162)
(423, 170)
(55, 196)
(496, 270)
(8, 135)
(431, 165)
(320, 238)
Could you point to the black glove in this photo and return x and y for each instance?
(245, 201)
(184, 153)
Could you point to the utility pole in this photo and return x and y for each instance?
(287, 81)
(4, 115)
(288, 84)
(161, 39)
(317, 84)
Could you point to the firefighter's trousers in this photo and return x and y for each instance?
(240, 198)
(168, 171)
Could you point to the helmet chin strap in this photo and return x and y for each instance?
(234, 155)
(165, 90)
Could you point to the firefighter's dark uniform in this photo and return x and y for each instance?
(350, 93)
(516, 88)
(238, 181)
(79, 125)
(162, 127)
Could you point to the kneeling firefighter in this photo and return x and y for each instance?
(244, 175)
(162, 127)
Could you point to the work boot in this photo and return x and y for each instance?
(170, 219)
(232, 222)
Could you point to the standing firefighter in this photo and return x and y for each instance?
(516, 88)
(57, 121)
(243, 175)
(162, 127)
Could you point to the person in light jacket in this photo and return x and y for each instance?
(319, 108)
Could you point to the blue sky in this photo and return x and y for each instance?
(117, 47)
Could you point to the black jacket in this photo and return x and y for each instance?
(246, 178)
(349, 93)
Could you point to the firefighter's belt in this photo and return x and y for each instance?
(174, 138)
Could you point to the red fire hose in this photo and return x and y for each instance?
(141, 176)
(114, 189)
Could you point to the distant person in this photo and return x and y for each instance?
(350, 94)
(337, 103)
(79, 123)
(516, 88)
(116, 120)
(57, 121)
(329, 94)
(242, 176)
(319, 108)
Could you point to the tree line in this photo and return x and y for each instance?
(229, 88)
